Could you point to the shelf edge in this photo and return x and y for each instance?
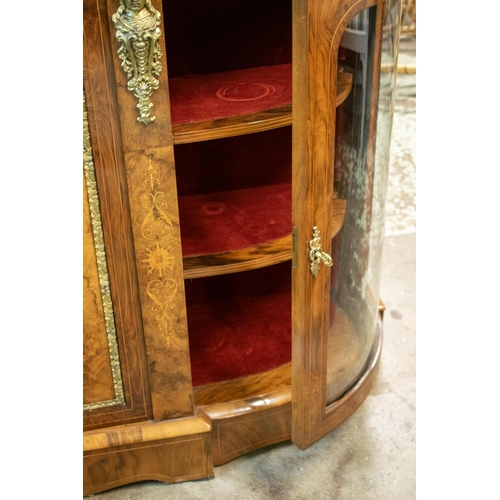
(245, 259)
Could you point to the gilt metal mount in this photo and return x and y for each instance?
(137, 29)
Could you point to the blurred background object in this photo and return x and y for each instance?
(409, 17)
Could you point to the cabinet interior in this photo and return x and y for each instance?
(205, 37)
(230, 84)
(239, 324)
(234, 193)
(229, 65)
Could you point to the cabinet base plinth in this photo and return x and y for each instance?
(170, 452)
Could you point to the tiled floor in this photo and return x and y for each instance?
(372, 455)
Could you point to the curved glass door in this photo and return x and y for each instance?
(360, 181)
(336, 334)
(353, 305)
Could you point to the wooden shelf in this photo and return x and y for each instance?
(267, 254)
(233, 221)
(259, 120)
(232, 103)
(254, 257)
(239, 324)
(245, 259)
(234, 125)
(230, 391)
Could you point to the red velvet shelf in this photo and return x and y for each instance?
(208, 97)
(226, 104)
(239, 324)
(230, 220)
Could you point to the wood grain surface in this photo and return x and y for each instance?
(171, 451)
(152, 194)
(107, 147)
(318, 28)
(228, 391)
(234, 125)
(244, 259)
(97, 376)
(249, 424)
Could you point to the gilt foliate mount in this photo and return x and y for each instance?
(137, 30)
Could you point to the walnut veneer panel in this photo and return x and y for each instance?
(151, 179)
(235, 436)
(97, 376)
(167, 451)
(243, 425)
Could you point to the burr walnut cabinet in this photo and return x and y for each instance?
(235, 169)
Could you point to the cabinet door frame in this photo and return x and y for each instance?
(318, 28)
(100, 97)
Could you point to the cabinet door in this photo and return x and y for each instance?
(130, 134)
(338, 212)
(115, 386)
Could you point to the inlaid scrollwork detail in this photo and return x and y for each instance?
(157, 228)
(161, 292)
(137, 30)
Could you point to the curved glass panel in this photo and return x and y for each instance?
(360, 184)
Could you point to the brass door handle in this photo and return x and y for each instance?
(316, 254)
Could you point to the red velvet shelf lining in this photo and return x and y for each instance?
(197, 98)
(231, 220)
(239, 324)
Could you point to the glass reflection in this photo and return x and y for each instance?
(360, 184)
